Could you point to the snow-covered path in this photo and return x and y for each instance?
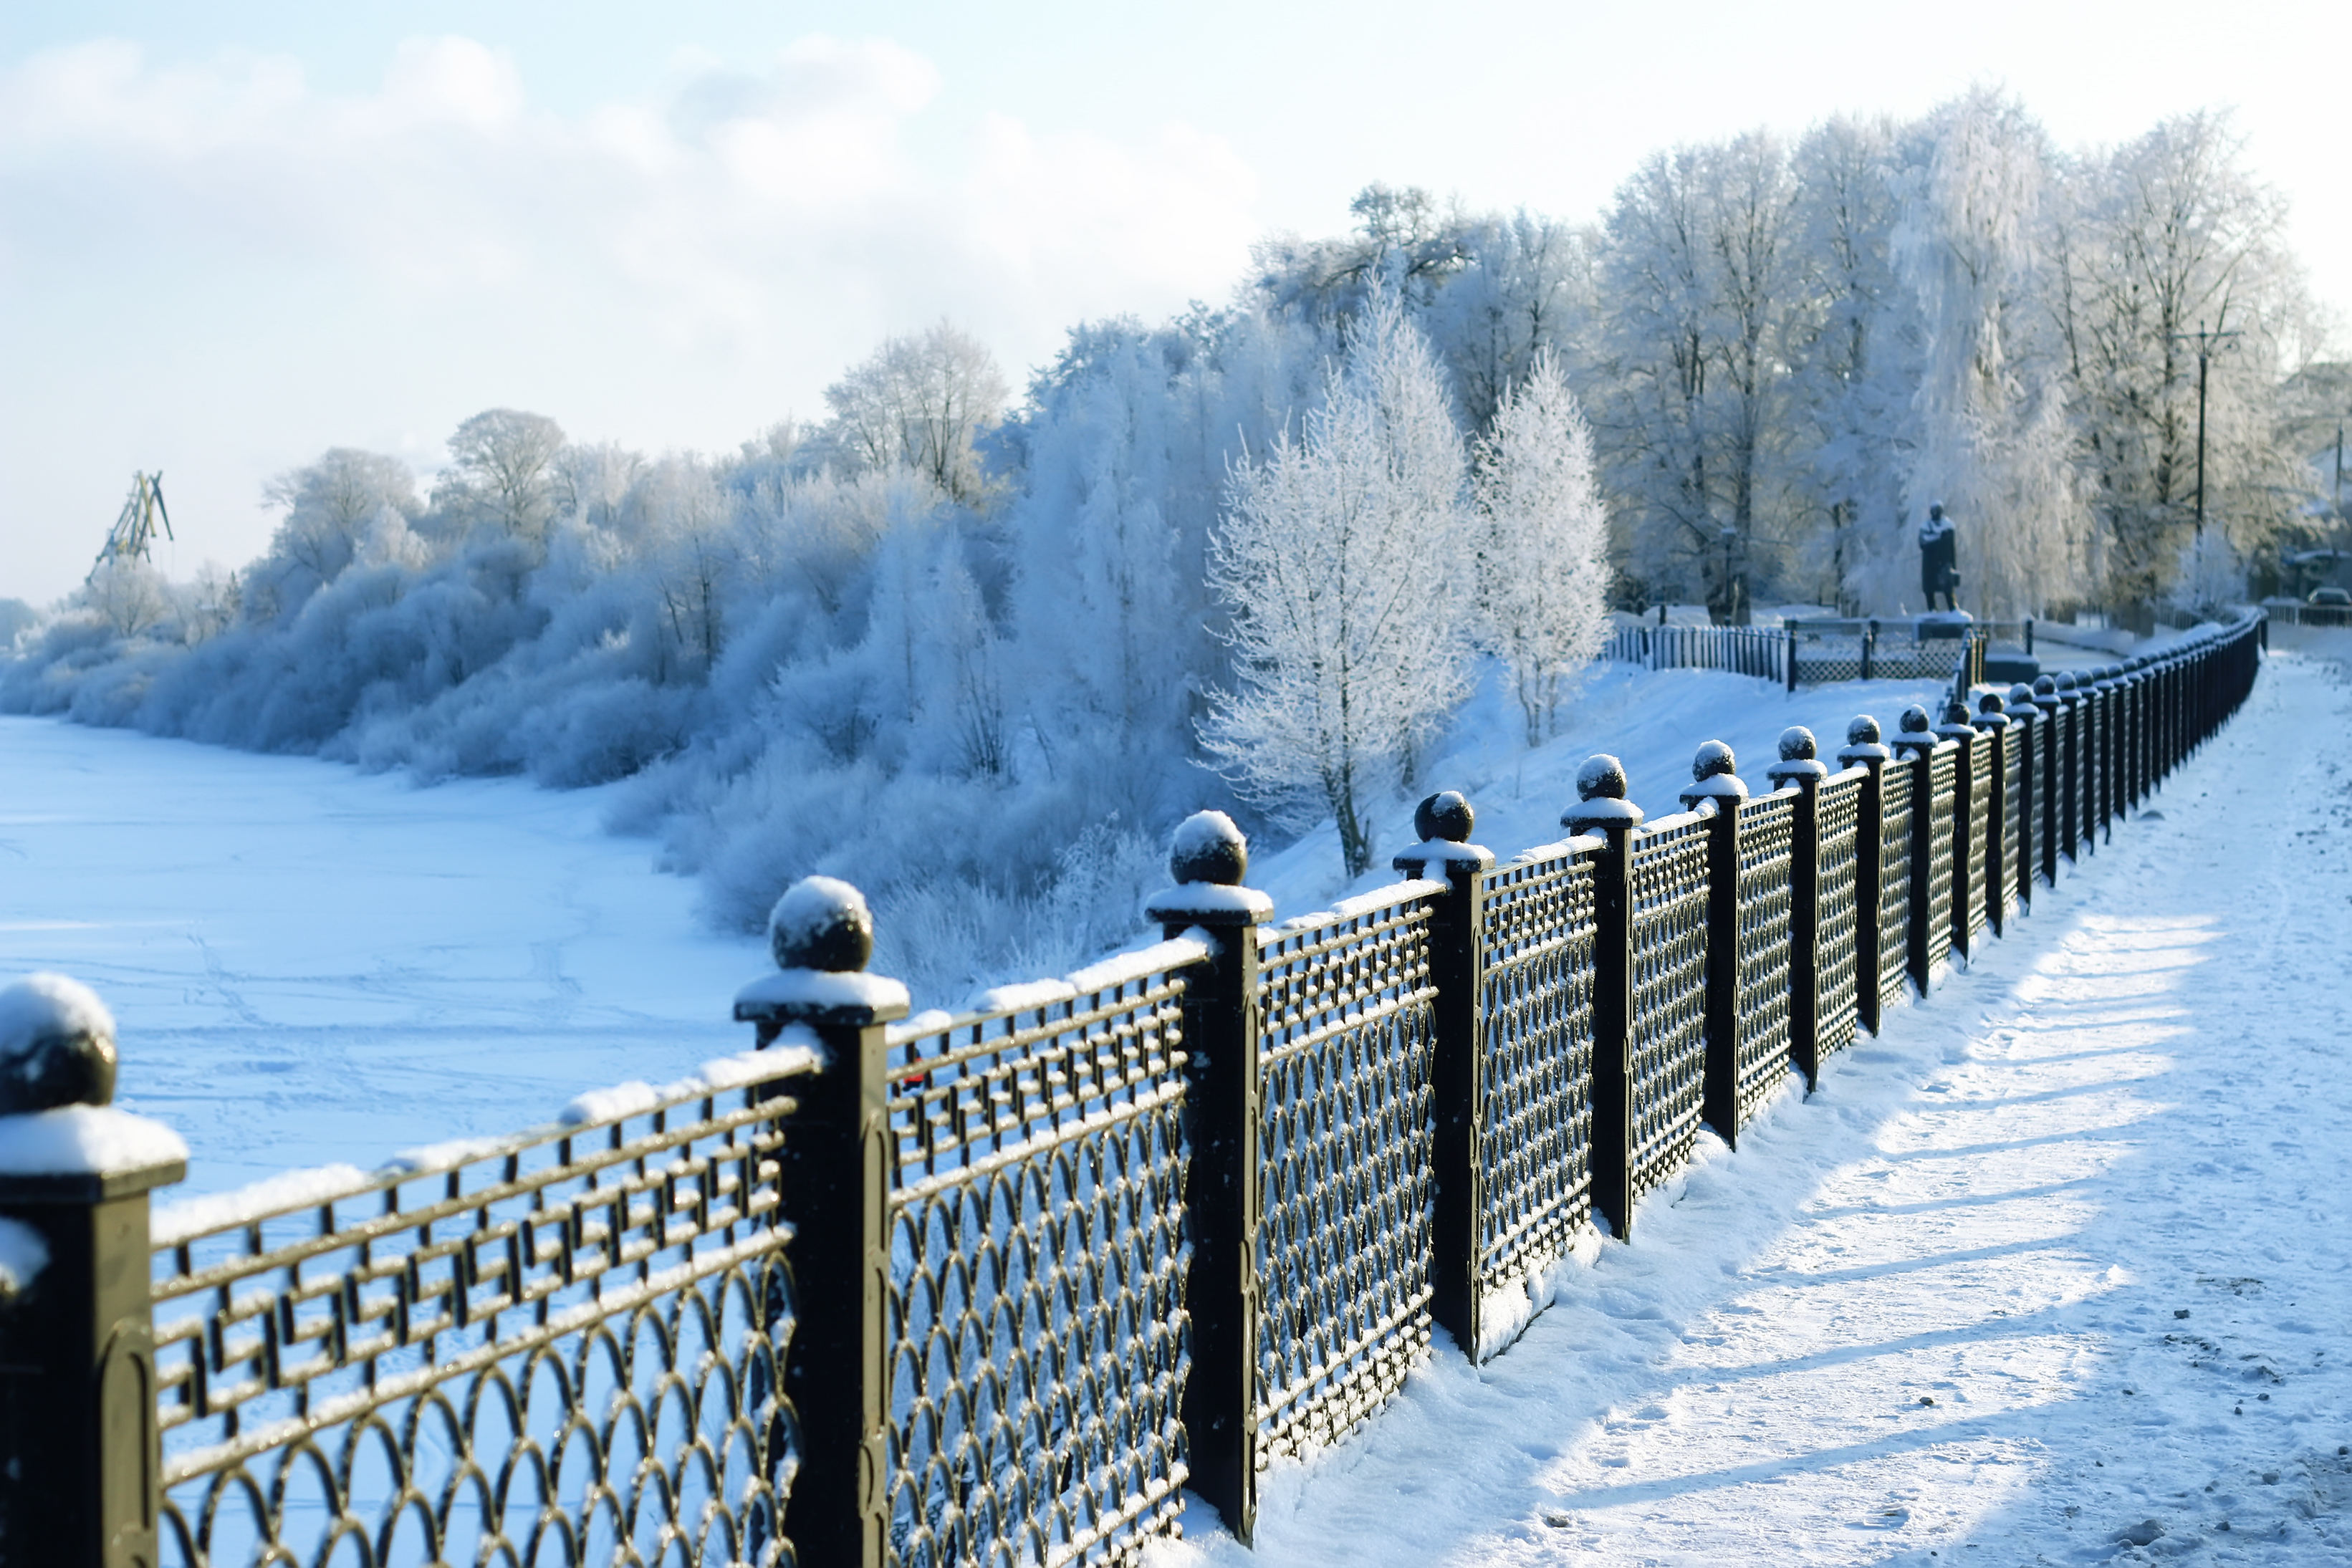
(2055, 1266)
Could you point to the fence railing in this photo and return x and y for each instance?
(999, 1288)
(1810, 652)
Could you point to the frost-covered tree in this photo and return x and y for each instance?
(1542, 543)
(917, 402)
(1698, 273)
(1854, 367)
(1337, 555)
(1995, 438)
(330, 505)
(502, 472)
(2165, 237)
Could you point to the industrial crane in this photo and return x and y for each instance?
(135, 530)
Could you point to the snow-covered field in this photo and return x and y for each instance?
(2059, 1256)
(2056, 1267)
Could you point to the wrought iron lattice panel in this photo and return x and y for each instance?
(1980, 891)
(561, 1347)
(1534, 1077)
(1767, 843)
(1037, 1340)
(1837, 906)
(1943, 796)
(1894, 872)
(1347, 1033)
(2016, 828)
(1666, 1066)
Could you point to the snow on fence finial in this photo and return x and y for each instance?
(821, 923)
(1715, 776)
(2045, 687)
(1208, 857)
(57, 1076)
(2020, 696)
(1600, 798)
(57, 1046)
(1799, 758)
(1208, 847)
(1861, 742)
(1603, 777)
(821, 935)
(1918, 730)
(1445, 815)
(2066, 683)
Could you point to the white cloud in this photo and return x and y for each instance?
(280, 268)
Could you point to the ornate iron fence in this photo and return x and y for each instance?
(564, 1346)
(998, 1288)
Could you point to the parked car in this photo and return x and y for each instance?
(2340, 597)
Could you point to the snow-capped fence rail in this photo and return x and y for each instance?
(999, 1287)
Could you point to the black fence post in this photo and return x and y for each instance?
(81, 1462)
(1601, 808)
(1716, 784)
(839, 1164)
(2049, 742)
(1967, 869)
(1800, 764)
(2110, 698)
(1994, 852)
(1914, 743)
(1457, 958)
(2026, 733)
(2070, 780)
(1224, 1199)
(1862, 749)
(1869, 647)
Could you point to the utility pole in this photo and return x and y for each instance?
(2205, 341)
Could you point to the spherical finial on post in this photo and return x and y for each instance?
(821, 923)
(1446, 817)
(1208, 857)
(1603, 777)
(1799, 760)
(2045, 687)
(1917, 731)
(822, 936)
(2020, 696)
(1715, 776)
(1862, 742)
(1208, 848)
(57, 1046)
(1600, 802)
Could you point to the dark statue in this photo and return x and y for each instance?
(1939, 558)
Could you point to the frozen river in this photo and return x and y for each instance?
(310, 964)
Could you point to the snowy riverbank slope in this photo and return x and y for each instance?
(2055, 1272)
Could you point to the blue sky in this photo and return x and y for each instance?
(234, 235)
